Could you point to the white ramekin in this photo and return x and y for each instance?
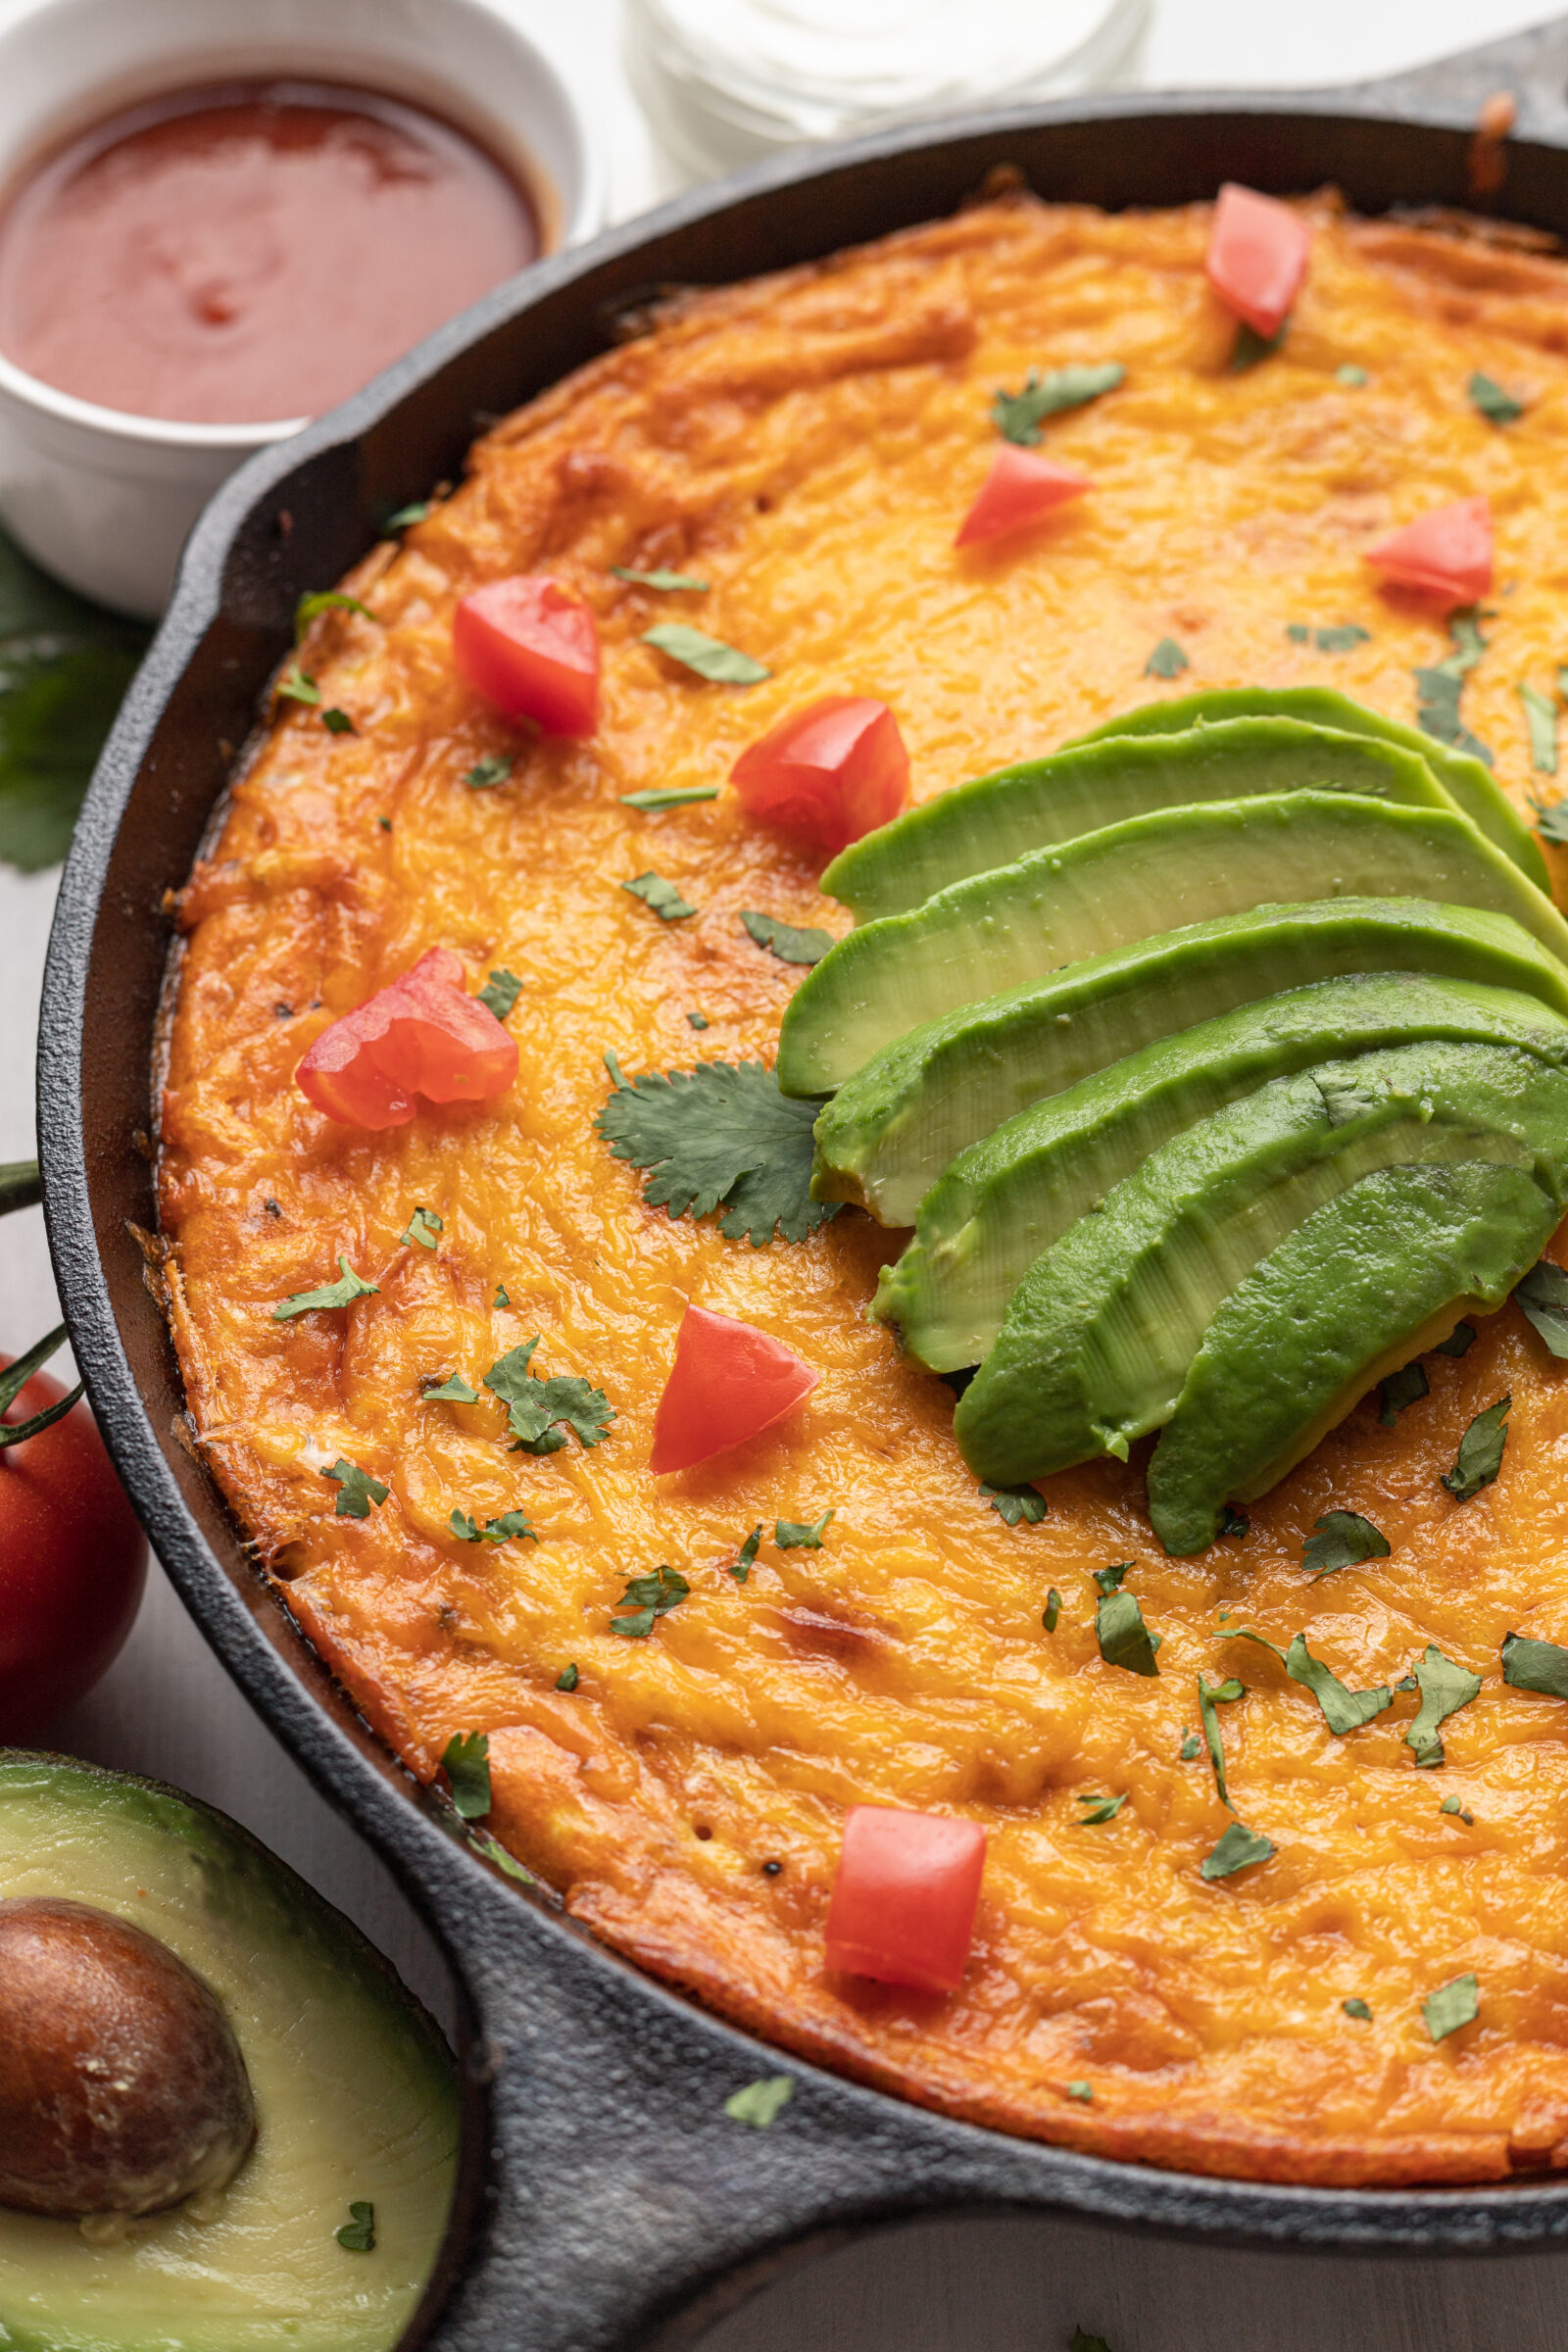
(105, 499)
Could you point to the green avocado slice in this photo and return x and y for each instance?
(1015, 1191)
(356, 2094)
(1130, 881)
(892, 1128)
(1098, 1338)
(999, 817)
(1469, 780)
(1367, 1282)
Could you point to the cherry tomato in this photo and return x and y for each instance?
(1447, 552)
(533, 651)
(1258, 254)
(72, 1563)
(833, 771)
(1019, 489)
(728, 1383)
(905, 1897)
(421, 1034)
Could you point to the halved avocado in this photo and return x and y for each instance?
(1131, 881)
(1015, 1191)
(1002, 816)
(354, 2093)
(1469, 780)
(1362, 1286)
(892, 1128)
(1099, 1337)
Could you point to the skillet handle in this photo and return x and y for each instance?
(1532, 67)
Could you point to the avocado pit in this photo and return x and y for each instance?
(122, 2089)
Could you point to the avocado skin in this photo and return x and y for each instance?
(1099, 1337)
(1015, 1191)
(999, 817)
(1469, 781)
(1359, 1288)
(1152, 874)
(891, 1130)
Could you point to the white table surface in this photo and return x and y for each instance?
(166, 1707)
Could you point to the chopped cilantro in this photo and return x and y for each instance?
(1017, 415)
(509, 1526)
(1551, 821)
(465, 1761)
(1099, 1809)
(1480, 1455)
(649, 1598)
(660, 895)
(699, 1020)
(1080, 2091)
(803, 1535)
(1192, 1747)
(1542, 1298)
(721, 1133)
(494, 1851)
(1402, 1389)
(1120, 1629)
(1350, 374)
(1343, 1710)
(1222, 1694)
(741, 1566)
(1051, 1615)
(357, 2233)
(501, 991)
(709, 657)
(325, 600)
(1452, 1804)
(1444, 1688)
(566, 1679)
(494, 768)
(423, 1228)
(500, 1298)
(331, 1293)
(1540, 719)
(1458, 1341)
(298, 686)
(385, 823)
(360, 1490)
(536, 1408)
(1440, 687)
(454, 1390)
(1355, 2007)
(337, 723)
(1249, 346)
(1233, 1522)
(1015, 1506)
(1495, 404)
(1451, 2006)
(783, 940)
(1167, 660)
(1339, 638)
(405, 516)
(1238, 1850)
(1540, 1666)
(668, 580)
(674, 796)
(761, 2103)
(1343, 1539)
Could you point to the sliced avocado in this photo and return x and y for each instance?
(893, 1127)
(1015, 1191)
(354, 2093)
(1470, 781)
(1130, 881)
(999, 817)
(1099, 1337)
(1362, 1286)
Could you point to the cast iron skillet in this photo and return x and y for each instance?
(602, 2184)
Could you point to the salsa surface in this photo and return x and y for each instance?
(808, 445)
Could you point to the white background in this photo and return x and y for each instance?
(168, 1709)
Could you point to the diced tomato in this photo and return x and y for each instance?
(728, 1383)
(423, 1034)
(1447, 552)
(833, 771)
(1019, 489)
(533, 651)
(905, 1897)
(1258, 254)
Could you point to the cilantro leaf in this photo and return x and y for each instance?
(338, 723)
(465, 1761)
(1540, 1666)
(1551, 821)
(1343, 1710)
(1402, 1389)
(325, 600)
(1458, 1341)
(1099, 1809)
(535, 1407)
(1451, 2006)
(1082, 2342)
(486, 773)
(1238, 1850)
(1452, 1804)
(501, 991)
(1167, 660)
(360, 1490)
(674, 796)
(500, 1298)
(1249, 346)
(1052, 1612)
(1192, 1747)
(803, 1535)
(1541, 719)
(1495, 404)
(454, 1390)
(298, 686)
(509, 1526)
(1343, 1539)
(659, 579)
(1120, 1629)
(721, 1133)
(761, 2105)
(1351, 374)
(660, 895)
(567, 1679)
(357, 2233)
(1017, 415)
(1444, 1688)
(1233, 1522)
(1015, 1506)
(1339, 638)
(1222, 1694)
(331, 1293)
(741, 1566)
(1440, 687)
(422, 1229)
(1542, 1298)
(405, 516)
(649, 1598)
(784, 941)
(699, 1020)
(709, 657)
(1355, 2007)
(494, 1851)
(1480, 1455)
